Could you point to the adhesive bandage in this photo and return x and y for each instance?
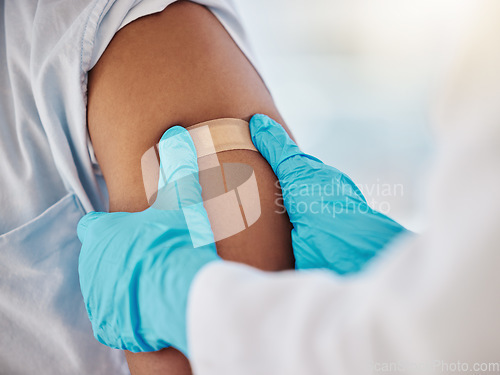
(219, 135)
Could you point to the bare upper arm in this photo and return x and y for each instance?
(180, 67)
(176, 67)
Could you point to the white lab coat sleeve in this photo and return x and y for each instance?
(429, 304)
(410, 310)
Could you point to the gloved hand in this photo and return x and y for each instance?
(333, 226)
(136, 268)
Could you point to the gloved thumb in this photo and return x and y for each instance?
(274, 144)
(178, 183)
(85, 222)
(179, 186)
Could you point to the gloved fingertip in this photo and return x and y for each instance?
(176, 131)
(272, 141)
(178, 181)
(259, 118)
(85, 222)
(178, 155)
(259, 123)
(176, 137)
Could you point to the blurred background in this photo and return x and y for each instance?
(355, 81)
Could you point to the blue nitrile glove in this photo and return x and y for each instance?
(136, 268)
(333, 226)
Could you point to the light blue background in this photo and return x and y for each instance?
(354, 81)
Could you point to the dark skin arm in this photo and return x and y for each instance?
(180, 67)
